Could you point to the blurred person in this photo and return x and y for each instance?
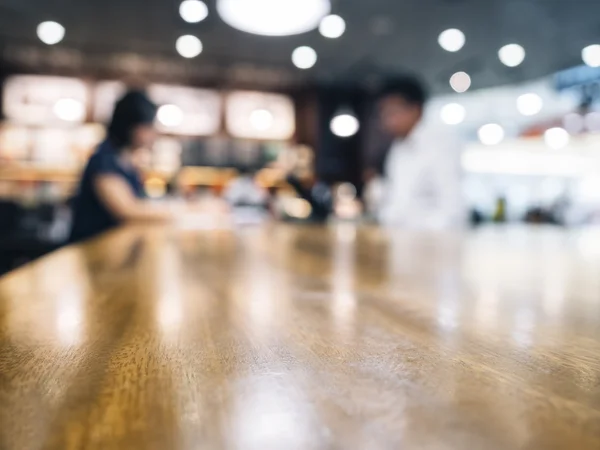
(111, 190)
(249, 202)
(244, 191)
(422, 179)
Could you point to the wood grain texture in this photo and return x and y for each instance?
(283, 337)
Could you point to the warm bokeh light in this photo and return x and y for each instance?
(460, 82)
(69, 110)
(304, 57)
(491, 134)
(453, 113)
(332, 26)
(50, 33)
(188, 46)
(261, 119)
(273, 17)
(193, 11)
(511, 55)
(529, 104)
(452, 40)
(344, 125)
(170, 115)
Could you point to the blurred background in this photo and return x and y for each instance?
(246, 86)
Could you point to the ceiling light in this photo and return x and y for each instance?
(591, 55)
(573, 123)
(188, 46)
(529, 104)
(491, 134)
(556, 138)
(460, 82)
(50, 32)
(193, 11)
(261, 119)
(511, 55)
(304, 57)
(273, 17)
(344, 125)
(69, 109)
(170, 115)
(332, 26)
(452, 40)
(453, 113)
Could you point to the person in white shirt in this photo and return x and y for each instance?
(422, 177)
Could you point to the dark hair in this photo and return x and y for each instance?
(409, 88)
(135, 108)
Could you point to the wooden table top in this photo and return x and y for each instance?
(282, 337)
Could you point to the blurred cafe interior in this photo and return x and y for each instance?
(231, 99)
(273, 109)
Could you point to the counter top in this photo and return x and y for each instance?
(285, 337)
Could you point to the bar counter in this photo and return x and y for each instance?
(314, 337)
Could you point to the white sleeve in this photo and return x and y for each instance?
(452, 212)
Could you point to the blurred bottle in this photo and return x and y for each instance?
(500, 211)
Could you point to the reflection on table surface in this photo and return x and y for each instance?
(284, 337)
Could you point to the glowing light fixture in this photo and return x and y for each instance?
(50, 33)
(460, 82)
(332, 26)
(304, 57)
(529, 104)
(511, 55)
(556, 138)
(491, 134)
(170, 115)
(452, 40)
(261, 119)
(344, 125)
(188, 46)
(69, 110)
(193, 11)
(453, 113)
(273, 17)
(591, 55)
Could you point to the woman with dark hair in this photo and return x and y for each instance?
(111, 191)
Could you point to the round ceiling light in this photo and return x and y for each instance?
(332, 26)
(591, 55)
(193, 11)
(453, 113)
(460, 82)
(556, 138)
(304, 57)
(261, 119)
(50, 33)
(491, 134)
(170, 115)
(452, 40)
(344, 125)
(273, 17)
(69, 110)
(529, 104)
(511, 55)
(188, 46)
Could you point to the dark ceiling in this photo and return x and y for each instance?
(382, 37)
